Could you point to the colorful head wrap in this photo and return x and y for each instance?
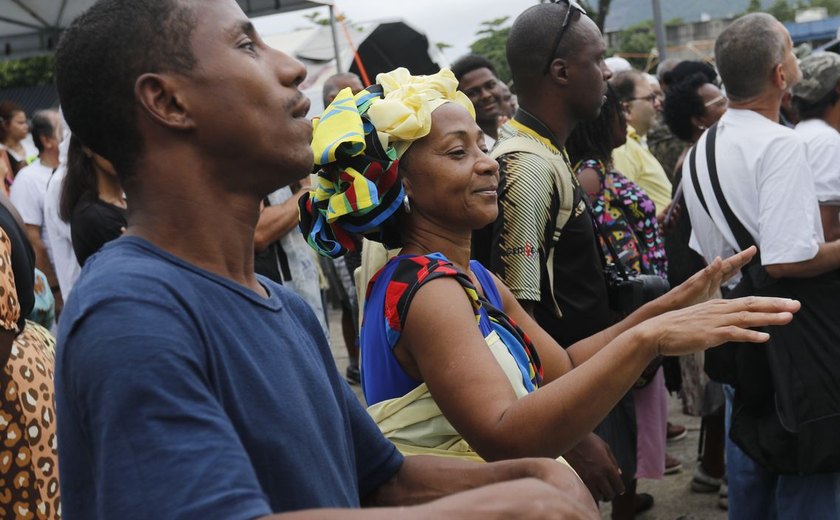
(358, 142)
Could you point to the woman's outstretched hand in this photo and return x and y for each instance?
(705, 283)
(715, 322)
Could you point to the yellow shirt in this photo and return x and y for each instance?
(634, 161)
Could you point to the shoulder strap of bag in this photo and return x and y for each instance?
(692, 167)
(563, 185)
(753, 269)
(742, 236)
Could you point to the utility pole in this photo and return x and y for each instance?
(335, 39)
(660, 30)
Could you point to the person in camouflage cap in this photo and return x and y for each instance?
(816, 99)
(820, 75)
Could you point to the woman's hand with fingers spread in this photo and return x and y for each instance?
(715, 322)
(705, 283)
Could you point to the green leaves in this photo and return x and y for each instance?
(27, 72)
(491, 45)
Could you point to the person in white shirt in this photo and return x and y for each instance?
(29, 190)
(765, 175)
(67, 268)
(816, 99)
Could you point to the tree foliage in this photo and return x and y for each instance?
(754, 7)
(492, 38)
(598, 12)
(637, 39)
(833, 6)
(782, 11)
(785, 10)
(317, 18)
(27, 72)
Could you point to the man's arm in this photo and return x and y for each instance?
(830, 216)
(526, 201)
(422, 479)
(276, 221)
(787, 215)
(522, 498)
(827, 259)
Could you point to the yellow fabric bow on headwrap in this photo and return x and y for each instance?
(358, 142)
(405, 113)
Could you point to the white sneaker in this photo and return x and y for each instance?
(702, 482)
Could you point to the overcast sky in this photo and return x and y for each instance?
(451, 21)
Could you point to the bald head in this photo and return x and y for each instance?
(337, 82)
(747, 53)
(534, 31)
(666, 66)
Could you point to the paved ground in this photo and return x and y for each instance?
(673, 497)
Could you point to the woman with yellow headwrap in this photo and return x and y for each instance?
(451, 363)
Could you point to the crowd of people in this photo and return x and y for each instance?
(524, 272)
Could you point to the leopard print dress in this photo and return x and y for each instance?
(28, 459)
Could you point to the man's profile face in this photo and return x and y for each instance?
(243, 99)
(790, 64)
(587, 72)
(483, 89)
(644, 108)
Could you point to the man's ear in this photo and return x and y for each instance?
(778, 78)
(559, 71)
(158, 94)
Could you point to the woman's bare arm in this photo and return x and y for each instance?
(475, 396)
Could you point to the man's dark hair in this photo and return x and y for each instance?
(682, 103)
(98, 60)
(624, 84)
(746, 53)
(685, 69)
(594, 139)
(529, 39)
(41, 126)
(331, 85)
(817, 109)
(470, 62)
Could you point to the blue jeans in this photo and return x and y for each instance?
(755, 493)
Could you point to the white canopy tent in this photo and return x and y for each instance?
(32, 27)
(380, 45)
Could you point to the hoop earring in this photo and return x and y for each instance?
(406, 205)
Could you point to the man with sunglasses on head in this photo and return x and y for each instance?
(633, 159)
(543, 244)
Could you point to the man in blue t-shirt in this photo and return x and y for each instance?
(187, 386)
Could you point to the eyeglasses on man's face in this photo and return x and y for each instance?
(653, 97)
(574, 12)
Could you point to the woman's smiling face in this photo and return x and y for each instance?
(449, 178)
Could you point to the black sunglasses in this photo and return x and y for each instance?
(574, 12)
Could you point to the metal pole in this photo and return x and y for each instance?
(335, 40)
(660, 30)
